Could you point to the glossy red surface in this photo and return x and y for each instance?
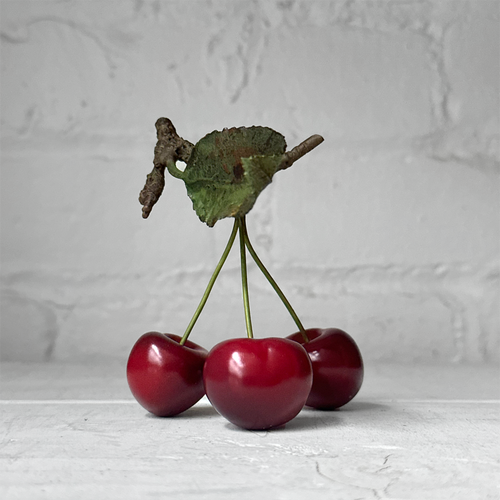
(258, 383)
(337, 367)
(165, 377)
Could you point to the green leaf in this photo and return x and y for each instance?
(228, 170)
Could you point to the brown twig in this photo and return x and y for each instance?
(169, 149)
(299, 151)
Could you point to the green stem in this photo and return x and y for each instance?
(210, 284)
(244, 278)
(272, 282)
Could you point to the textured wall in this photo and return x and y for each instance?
(389, 229)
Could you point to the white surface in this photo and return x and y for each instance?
(422, 433)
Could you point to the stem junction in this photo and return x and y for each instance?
(240, 226)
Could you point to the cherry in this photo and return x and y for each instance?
(258, 383)
(337, 366)
(164, 376)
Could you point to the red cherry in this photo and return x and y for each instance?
(337, 367)
(165, 377)
(258, 383)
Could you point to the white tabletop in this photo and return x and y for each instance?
(413, 432)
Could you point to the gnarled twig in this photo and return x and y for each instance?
(169, 149)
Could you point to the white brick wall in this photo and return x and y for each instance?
(390, 229)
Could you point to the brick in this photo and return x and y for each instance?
(470, 69)
(382, 207)
(349, 85)
(474, 86)
(29, 328)
(78, 210)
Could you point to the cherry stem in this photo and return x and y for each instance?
(271, 280)
(244, 278)
(211, 283)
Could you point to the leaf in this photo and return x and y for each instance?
(228, 170)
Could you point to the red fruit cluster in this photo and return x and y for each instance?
(253, 383)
